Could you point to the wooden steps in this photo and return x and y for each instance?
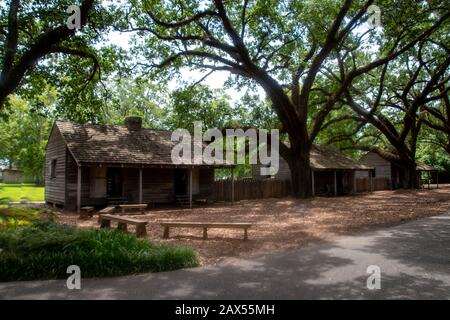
(182, 200)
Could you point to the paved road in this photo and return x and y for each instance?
(414, 259)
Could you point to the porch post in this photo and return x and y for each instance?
(437, 179)
(312, 183)
(371, 181)
(79, 189)
(429, 178)
(232, 184)
(190, 187)
(335, 184)
(354, 181)
(140, 185)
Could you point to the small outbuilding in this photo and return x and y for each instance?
(11, 176)
(390, 170)
(332, 172)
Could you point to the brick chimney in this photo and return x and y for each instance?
(133, 123)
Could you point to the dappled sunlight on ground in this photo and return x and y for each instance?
(286, 223)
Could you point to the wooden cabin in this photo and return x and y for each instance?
(332, 172)
(97, 165)
(390, 170)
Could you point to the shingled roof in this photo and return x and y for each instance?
(329, 157)
(424, 167)
(89, 143)
(114, 144)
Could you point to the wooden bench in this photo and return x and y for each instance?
(86, 212)
(107, 209)
(140, 206)
(122, 222)
(205, 226)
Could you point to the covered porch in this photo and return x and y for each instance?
(336, 182)
(100, 185)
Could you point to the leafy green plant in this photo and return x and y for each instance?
(15, 216)
(45, 250)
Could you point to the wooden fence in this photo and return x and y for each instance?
(251, 189)
(275, 188)
(380, 183)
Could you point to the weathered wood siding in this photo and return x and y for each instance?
(71, 185)
(378, 183)
(284, 173)
(11, 176)
(250, 189)
(206, 181)
(55, 186)
(382, 166)
(157, 185)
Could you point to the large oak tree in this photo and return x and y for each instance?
(37, 47)
(285, 47)
(404, 89)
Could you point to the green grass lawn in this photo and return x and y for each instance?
(21, 192)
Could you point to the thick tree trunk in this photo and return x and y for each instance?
(408, 175)
(300, 174)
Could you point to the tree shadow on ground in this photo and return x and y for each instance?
(414, 260)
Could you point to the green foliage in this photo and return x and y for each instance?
(137, 98)
(76, 75)
(23, 136)
(431, 149)
(16, 216)
(45, 250)
(199, 103)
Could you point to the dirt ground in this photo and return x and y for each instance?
(286, 223)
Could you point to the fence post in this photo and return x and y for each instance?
(190, 187)
(79, 189)
(335, 183)
(232, 184)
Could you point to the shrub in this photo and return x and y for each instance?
(45, 250)
(16, 216)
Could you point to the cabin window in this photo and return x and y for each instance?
(53, 169)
